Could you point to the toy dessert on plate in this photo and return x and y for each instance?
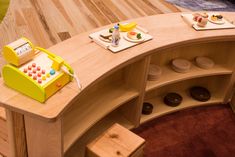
(207, 21)
(134, 36)
(201, 19)
(216, 19)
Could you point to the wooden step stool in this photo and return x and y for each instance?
(117, 141)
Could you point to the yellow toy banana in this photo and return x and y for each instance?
(127, 27)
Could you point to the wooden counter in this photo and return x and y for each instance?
(114, 82)
(92, 63)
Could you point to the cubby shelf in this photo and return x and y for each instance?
(161, 109)
(97, 129)
(169, 76)
(93, 109)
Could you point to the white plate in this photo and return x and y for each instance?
(134, 41)
(217, 22)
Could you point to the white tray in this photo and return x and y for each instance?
(123, 44)
(188, 18)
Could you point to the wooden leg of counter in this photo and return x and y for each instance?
(16, 134)
(43, 138)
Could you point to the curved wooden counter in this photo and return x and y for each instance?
(111, 81)
(91, 62)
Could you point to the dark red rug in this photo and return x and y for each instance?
(198, 132)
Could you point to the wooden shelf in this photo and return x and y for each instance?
(161, 109)
(79, 147)
(92, 109)
(170, 76)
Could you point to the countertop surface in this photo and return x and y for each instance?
(92, 63)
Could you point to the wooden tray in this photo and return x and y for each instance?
(123, 44)
(188, 18)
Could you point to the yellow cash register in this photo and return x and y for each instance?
(34, 71)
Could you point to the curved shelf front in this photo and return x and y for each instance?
(96, 130)
(91, 110)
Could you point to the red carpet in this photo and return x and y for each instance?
(197, 132)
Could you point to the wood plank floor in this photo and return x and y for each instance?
(51, 21)
(47, 22)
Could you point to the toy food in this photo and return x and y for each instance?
(204, 62)
(181, 65)
(111, 30)
(197, 15)
(154, 72)
(205, 15)
(217, 19)
(106, 36)
(134, 35)
(147, 108)
(127, 27)
(200, 93)
(173, 99)
(201, 21)
(115, 36)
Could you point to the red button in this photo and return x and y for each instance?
(35, 77)
(39, 74)
(58, 85)
(30, 67)
(30, 74)
(39, 81)
(25, 70)
(38, 68)
(43, 71)
(34, 71)
(34, 65)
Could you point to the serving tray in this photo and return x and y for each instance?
(188, 18)
(123, 44)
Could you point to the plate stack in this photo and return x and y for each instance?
(204, 62)
(181, 65)
(154, 72)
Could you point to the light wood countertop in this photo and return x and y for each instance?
(92, 63)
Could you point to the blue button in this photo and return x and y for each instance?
(52, 71)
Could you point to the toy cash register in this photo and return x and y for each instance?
(34, 71)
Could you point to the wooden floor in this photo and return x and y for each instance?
(47, 22)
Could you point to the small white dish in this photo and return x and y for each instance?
(218, 22)
(132, 40)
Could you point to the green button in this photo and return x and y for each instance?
(52, 72)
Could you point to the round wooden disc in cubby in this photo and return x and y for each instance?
(154, 72)
(204, 62)
(181, 65)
